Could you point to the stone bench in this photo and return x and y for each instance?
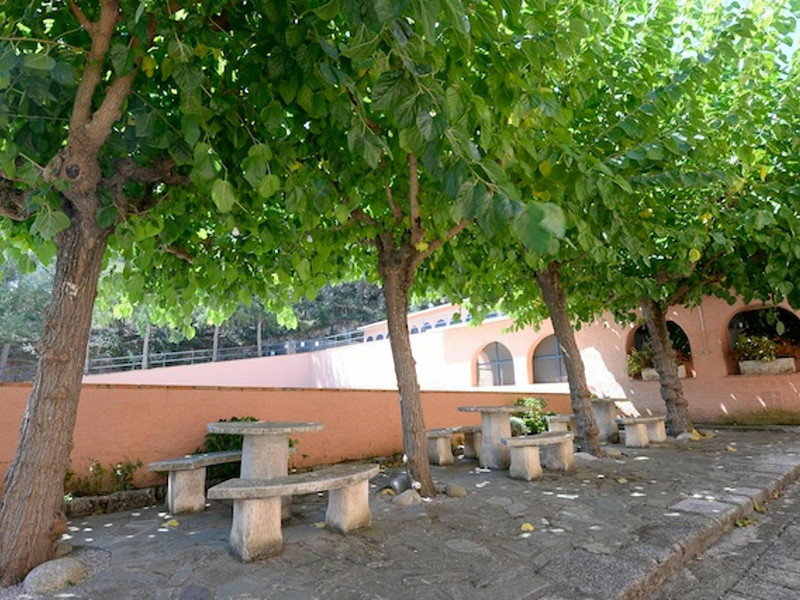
(640, 431)
(256, 527)
(440, 451)
(186, 482)
(525, 463)
(560, 422)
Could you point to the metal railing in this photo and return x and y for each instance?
(204, 355)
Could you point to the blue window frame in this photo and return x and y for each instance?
(549, 364)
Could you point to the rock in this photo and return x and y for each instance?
(400, 484)
(54, 575)
(63, 547)
(685, 436)
(407, 498)
(454, 490)
(585, 456)
(612, 453)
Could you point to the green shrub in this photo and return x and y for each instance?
(640, 359)
(534, 417)
(223, 442)
(100, 480)
(755, 348)
(122, 475)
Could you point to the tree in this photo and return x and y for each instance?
(101, 114)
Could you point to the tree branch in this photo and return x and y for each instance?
(87, 25)
(12, 201)
(128, 171)
(417, 232)
(438, 243)
(100, 34)
(179, 252)
(396, 210)
(359, 215)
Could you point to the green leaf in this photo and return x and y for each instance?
(49, 222)
(327, 11)
(269, 185)
(223, 195)
(39, 62)
(122, 59)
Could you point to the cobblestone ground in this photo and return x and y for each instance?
(616, 528)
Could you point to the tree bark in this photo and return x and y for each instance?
(549, 281)
(4, 359)
(678, 420)
(30, 512)
(146, 348)
(258, 336)
(396, 268)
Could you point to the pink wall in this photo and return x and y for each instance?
(157, 422)
(446, 361)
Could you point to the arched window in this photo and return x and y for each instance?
(495, 366)
(426, 326)
(369, 339)
(640, 355)
(441, 323)
(414, 330)
(379, 336)
(548, 362)
(680, 341)
(775, 323)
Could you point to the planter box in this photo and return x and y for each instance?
(650, 374)
(773, 367)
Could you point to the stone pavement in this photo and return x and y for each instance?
(616, 528)
(758, 560)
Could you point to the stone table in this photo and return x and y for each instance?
(265, 452)
(495, 425)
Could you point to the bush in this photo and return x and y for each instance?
(755, 348)
(99, 480)
(223, 442)
(534, 417)
(640, 359)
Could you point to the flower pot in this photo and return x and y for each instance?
(650, 374)
(772, 367)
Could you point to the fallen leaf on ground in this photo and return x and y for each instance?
(730, 449)
(172, 523)
(527, 527)
(622, 480)
(319, 524)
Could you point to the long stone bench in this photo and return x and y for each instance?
(525, 460)
(640, 431)
(440, 450)
(256, 526)
(186, 482)
(560, 422)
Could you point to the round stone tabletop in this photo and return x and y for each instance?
(262, 427)
(492, 409)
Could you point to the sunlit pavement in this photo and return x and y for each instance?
(616, 528)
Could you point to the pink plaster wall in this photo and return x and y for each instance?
(446, 361)
(157, 422)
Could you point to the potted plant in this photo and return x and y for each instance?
(758, 355)
(641, 363)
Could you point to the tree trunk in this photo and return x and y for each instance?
(215, 345)
(678, 420)
(258, 336)
(30, 512)
(146, 348)
(555, 298)
(396, 269)
(4, 359)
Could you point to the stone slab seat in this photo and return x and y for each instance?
(560, 422)
(186, 482)
(440, 450)
(640, 431)
(256, 526)
(525, 463)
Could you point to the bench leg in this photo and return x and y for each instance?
(186, 491)
(256, 528)
(472, 444)
(636, 436)
(266, 456)
(494, 427)
(657, 432)
(440, 451)
(525, 463)
(605, 412)
(560, 457)
(348, 507)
